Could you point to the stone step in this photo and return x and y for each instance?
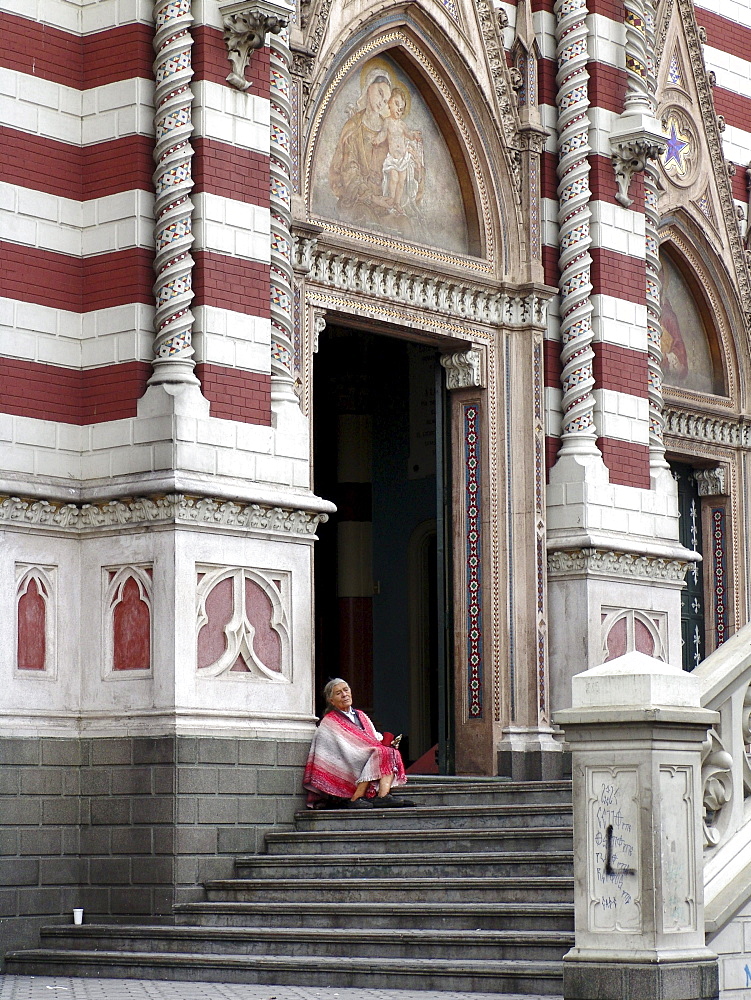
(437, 817)
(538, 978)
(408, 914)
(350, 942)
(355, 842)
(439, 866)
(481, 791)
(395, 891)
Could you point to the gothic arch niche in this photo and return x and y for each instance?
(127, 626)
(356, 181)
(35, 620)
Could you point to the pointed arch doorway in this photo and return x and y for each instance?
(381, 563)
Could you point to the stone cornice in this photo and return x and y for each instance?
(727, 431)
(457, 298)
(621, 565)
(174, 508)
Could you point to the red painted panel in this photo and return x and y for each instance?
(32, 641)
(259, 610)
(235, 394)
(131, 630)
(212, 642)
(628, 463)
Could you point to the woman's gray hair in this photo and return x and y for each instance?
(329, 689)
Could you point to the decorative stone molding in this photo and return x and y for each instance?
(625, 565)
(463, 369)
(573, 220)
(491, 26)
(717, 786)
(246, 26)
(173, 182)
(711, 482)
(172, 508)
(346, 272)
(629, 158)
(712, 430)
(304, 242)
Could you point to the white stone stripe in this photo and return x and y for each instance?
(115, 110)
(79, 18)
(124, 220)
(616, 321)
(77, 228)
(617, 415)
(605, 42)
(231, 227)
(733, 73)
(611, 226)
(31, 332)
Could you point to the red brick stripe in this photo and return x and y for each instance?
(620, 369)
(235, 394)
(607, 85)
(735, 108)
(618, 275)
(49, 392)
(73, 283)
(602, 182)
(726, 35)
(119, 53)
(628, 463)
(230, 282)
(230, 172)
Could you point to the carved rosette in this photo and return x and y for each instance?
(281, 219)
(573, 220)
(173, 182)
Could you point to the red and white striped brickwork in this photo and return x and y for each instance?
(77, 232)
(618, 276)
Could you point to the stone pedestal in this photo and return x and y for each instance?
(635, 731)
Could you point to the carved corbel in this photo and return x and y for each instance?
(628, 158)
(304, 242)
(711, 482)
(717, 786)
(246, 25)
(464, 370)
(318, 326)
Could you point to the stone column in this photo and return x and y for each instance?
(636, 730)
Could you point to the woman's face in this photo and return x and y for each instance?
(341, 697)
(378, 98)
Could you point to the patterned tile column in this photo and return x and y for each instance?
(578, 434)
(173, 181)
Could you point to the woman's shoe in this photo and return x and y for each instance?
(386, 802)
(360, 804)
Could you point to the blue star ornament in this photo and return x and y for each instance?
(675, 146)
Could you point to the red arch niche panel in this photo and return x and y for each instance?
(131, 629)
(32, 626)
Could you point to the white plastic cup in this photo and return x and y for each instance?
(78, 916)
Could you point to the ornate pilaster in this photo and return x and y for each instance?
(281, 220)
(173, 181)
(573, 220)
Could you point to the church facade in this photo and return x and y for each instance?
(403, 342)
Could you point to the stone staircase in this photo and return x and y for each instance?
(470, 890)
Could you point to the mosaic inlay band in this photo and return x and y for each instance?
(719, 574)
(473, 532)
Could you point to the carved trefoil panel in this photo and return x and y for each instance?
(627, 629)
(243, 623)
(127, 627)
(36, 620)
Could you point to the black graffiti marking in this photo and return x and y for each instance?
(609, 859)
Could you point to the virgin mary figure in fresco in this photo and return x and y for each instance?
(377, 169)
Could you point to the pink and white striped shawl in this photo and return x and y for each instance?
(342, 755)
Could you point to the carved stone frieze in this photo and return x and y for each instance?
(450, 297)
(169, 508)
(463, 369)
(713, 430)
(606, 562)
(491, 25)
(711, 482)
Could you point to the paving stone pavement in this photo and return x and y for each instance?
(67, 988)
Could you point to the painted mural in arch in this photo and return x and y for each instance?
(686, 354)
(381, 162)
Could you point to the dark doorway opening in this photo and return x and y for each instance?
(380, 562)
(692, 595)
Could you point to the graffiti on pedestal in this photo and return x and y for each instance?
(614, 886)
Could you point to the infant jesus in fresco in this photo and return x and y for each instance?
(404, 163)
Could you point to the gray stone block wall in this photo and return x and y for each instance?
(126, 827)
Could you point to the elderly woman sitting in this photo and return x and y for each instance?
(348, 765)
